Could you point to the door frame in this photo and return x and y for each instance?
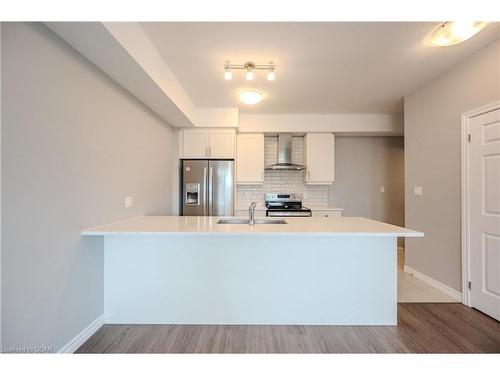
(466, 117)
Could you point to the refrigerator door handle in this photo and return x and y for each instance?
(211, 191)
(205, 190)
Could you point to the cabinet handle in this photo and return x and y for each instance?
(262, 175)
(211, 192)
(205, 192)
(309, 175)
(209, 150)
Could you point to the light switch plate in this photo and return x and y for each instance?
(382, 189)
(129, 201)
(417, 190)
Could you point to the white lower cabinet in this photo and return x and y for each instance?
(328, 213)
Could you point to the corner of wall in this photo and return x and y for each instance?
(175, 209)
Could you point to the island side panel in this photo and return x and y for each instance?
(214, 279)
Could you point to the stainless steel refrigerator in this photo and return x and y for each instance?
(207, 187)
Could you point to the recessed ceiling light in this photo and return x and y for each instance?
(251, 97)
(451, 33)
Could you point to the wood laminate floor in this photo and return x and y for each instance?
(422, 328)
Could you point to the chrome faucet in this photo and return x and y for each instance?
(251, 213)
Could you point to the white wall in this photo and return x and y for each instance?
(74, 143)
(368, 124)
(432, 160)
(217, 117)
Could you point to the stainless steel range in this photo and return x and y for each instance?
(286, 205)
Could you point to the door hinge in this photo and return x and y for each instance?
(469, 285)
(468, 138)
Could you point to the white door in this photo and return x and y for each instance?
(194, 144)
(484, 195)
(221, 144)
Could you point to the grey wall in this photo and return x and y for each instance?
(432, 153)
(362, 166)
(73, 145)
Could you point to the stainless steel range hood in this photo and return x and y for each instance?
(285, 155)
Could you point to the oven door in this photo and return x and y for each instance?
(289, 213)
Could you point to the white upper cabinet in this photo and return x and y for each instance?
(319, 158)
(250, 159)
(221, 144)
(193, 144)
(207, 144)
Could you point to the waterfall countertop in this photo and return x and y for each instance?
(208, 225)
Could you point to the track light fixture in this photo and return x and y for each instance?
(228, 75)
(249, 68)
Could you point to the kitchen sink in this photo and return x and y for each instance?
(246, 221)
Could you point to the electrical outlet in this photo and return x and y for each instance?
(417, 190)
(129, 201)
(382, 189)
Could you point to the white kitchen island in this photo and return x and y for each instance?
(191, 270)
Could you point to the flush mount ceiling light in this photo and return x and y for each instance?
(249, 68)
(251, 97)
(451, 33)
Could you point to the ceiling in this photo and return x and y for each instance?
(332, 67)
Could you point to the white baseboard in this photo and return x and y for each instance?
(450, 292)
(83, 336)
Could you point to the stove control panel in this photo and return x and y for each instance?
(283, 197)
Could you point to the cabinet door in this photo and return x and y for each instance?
(319, 156)
(194, 144)
(316, 213)
(250, 159)
(221, 144)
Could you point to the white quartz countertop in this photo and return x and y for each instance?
(182, 225)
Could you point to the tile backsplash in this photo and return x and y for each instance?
(282, 181)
